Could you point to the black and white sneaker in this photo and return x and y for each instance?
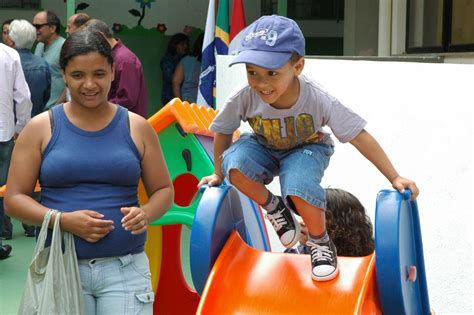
(323, 260)
(285, 224)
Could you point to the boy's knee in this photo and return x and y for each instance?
(235, 176)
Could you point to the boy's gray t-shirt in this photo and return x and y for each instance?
(286, 128)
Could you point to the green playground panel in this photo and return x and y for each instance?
(173, 141)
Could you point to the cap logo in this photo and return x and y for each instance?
(270, 37)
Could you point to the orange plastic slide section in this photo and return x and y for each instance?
(248, 281)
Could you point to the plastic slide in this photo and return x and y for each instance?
(248, 281)
(401, 277)
(232, 277)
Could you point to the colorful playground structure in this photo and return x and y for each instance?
(231, 266)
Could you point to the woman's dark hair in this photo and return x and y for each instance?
(83, 42)
(197, 47)
(52, 19)
(175, 40)
(348, 224)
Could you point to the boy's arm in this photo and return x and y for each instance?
(371, 149)
(221, 143)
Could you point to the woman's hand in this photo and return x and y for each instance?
(134, 220)
(87, 224)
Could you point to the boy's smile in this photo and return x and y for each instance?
(280, 87)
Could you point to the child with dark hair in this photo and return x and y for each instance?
(347, 224)
(89, 155)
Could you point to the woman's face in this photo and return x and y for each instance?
(182, 48)
(88, 78)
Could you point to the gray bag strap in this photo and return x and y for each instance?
(44, 231)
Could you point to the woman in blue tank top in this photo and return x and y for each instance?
(89, 155)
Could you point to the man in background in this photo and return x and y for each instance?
(128, 87)
(36, 69)
(38, 77)
(47, 26)
(76, 21)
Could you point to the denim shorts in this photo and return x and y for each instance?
(300, 169)
(117, 285)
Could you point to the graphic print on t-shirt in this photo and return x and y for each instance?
(287, 132)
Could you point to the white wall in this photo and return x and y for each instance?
(422, 114)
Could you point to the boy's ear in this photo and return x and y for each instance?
(299, 66)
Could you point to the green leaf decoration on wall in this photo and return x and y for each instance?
(135, 12)
(82, 6)
(143, 5)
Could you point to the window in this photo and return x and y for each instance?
(308, 9)
(440, 26)
(20, 4)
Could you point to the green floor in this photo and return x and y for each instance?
(13, 270)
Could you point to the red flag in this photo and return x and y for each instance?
(237, 22)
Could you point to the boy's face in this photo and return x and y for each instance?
(279, 87)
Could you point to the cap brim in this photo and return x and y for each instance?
(269, 60)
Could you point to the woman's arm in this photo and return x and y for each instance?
(24, 170)
(23, 175)
(178, 78)
(155, 177)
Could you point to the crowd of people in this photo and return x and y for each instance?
(38, 44)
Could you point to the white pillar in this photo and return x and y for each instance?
(399, 23)
(385, 27)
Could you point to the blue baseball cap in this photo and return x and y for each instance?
(269, 42)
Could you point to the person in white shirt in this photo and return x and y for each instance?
(14, 93)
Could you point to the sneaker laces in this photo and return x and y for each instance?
(277, 219)
(320, 252)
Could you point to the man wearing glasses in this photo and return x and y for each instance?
(47, 26)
